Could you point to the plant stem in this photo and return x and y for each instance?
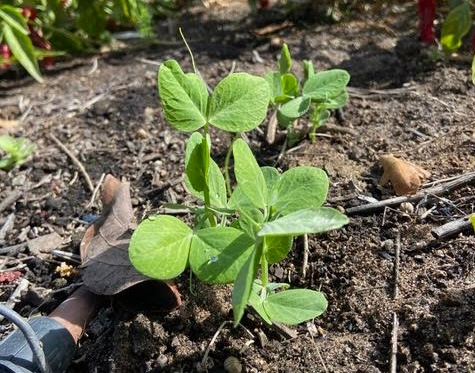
(264, 266)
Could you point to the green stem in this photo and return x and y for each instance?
(264, 267)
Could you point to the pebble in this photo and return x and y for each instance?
(232, 365)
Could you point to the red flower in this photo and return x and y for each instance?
(426, 13)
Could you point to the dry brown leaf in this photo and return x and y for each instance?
(405, 177)
(104, 250)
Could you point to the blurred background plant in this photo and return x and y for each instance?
(16, 151)
(39, 30)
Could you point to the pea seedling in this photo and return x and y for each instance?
(232, 238)
(18, 150)
(321, 92)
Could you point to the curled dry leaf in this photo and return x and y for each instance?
(405, 177)
(106, 267)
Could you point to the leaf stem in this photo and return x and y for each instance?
(206, 161)
(264, 266)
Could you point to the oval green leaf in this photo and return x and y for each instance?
(248, 174)
(218, 253)
(159, 247)
(326, 85)
(299, 188)
(305, 221)
(295, 108)
(183, 96)
(239, 103)
(295, 306)
(277, 247)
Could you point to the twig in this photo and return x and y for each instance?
(10, 199)
(96, 191)
(305, 256)
(438, 189)
(396, 266)
(452, 228)
(14, 249)
(75, 161)
(393, 363)
(211, 343)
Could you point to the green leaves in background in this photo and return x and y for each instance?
(456, 26)
(285, 61)
(239, 103)
(184, 97)
(15, 32)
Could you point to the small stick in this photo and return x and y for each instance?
(75, 161)
(305, 256)
(393, 363)
(211, 343)
(96, 191)
(396, 266)
(438, 189)
(452, 228)
(75, 258)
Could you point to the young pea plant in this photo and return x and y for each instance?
(317, 94)
(235, 239)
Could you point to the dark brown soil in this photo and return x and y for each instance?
(110, 119)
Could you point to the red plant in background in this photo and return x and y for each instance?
(6, 53)
(426, 14)
(36, 36)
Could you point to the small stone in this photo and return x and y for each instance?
(407, 207)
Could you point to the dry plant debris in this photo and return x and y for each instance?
(405, 177)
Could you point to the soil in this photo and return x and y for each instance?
(106, 112)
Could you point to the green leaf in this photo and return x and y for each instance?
(290, 87)
(299, 188)
(23, 50)
(218, 253)
(277, 247)
(295, 306)
(295, 108)
(456, 26)
(159, 247)
(305, 221)
(248, 174)
(275, 85)
(308, 70)
(244, 281)
(195, 166)
(239, 103)
(285, 61)
(12, 17)
(202, 172)
(271, 176)
(326, 85)
(183, 96)
(250, 217)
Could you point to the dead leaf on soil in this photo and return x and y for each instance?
(8, 124)
(405, 177)
(104, 250)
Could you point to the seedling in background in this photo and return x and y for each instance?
(315, 96)
(18, 151)
(232, 238)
